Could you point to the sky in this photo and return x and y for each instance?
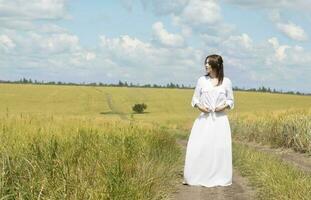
(263, 43)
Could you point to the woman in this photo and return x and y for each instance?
(208, 159)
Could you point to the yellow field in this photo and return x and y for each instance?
(80, 142)
(169, 107)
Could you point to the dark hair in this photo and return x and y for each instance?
(216, 62)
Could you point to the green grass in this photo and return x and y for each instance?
(273, 178)
(50, 157)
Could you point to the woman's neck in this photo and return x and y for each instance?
(212, 75)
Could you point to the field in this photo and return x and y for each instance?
(83, 142)
(169, 107)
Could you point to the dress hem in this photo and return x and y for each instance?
(209, 186)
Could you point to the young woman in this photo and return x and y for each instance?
(208, 159)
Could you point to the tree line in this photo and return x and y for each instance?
(126, 84)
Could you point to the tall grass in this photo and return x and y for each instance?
(48, 157)
(273, 178)
(290, 128)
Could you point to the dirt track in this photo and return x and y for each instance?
(299, 160)
(239, 190)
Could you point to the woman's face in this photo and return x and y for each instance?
(208, 68)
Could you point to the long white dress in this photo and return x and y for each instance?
(208, 159)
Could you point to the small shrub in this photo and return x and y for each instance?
(139, 108)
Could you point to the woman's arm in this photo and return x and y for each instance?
(229, 95)
(196, 95)
(229, 103)
(195, 102)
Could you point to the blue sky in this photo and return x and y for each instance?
(263, 43)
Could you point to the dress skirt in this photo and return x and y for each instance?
(208, 160)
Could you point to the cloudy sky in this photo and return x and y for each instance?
(263, 43)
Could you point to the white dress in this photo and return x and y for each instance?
(208, 159)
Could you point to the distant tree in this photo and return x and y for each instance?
(93, 84)
(25, 80)
(147, 85)
(268, 90)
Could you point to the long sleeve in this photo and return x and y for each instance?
(229, 94)
(196, 94)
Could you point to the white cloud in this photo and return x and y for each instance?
(6, 43)
(199, 15)
(138, 58)
(239, 41)
(57, 43)
(53, 52)
(15, 24)
(33, 9)
(201, 12)
(90, 56)
(279, 49)
(203, 19)
(125, 44)
(43, 49)
(81, 58)
(20, 16)
(161, 7)
(290, 63)
(293, 31)
(268, 63)
(301, 5)
(45, 56)
(165, 38)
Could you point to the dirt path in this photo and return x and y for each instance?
(299, 160)
(239, 190)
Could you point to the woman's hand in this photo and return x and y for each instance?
(221, 108)
(203, 109)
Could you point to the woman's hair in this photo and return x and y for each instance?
(216, 62)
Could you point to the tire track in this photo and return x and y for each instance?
(112, 107)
